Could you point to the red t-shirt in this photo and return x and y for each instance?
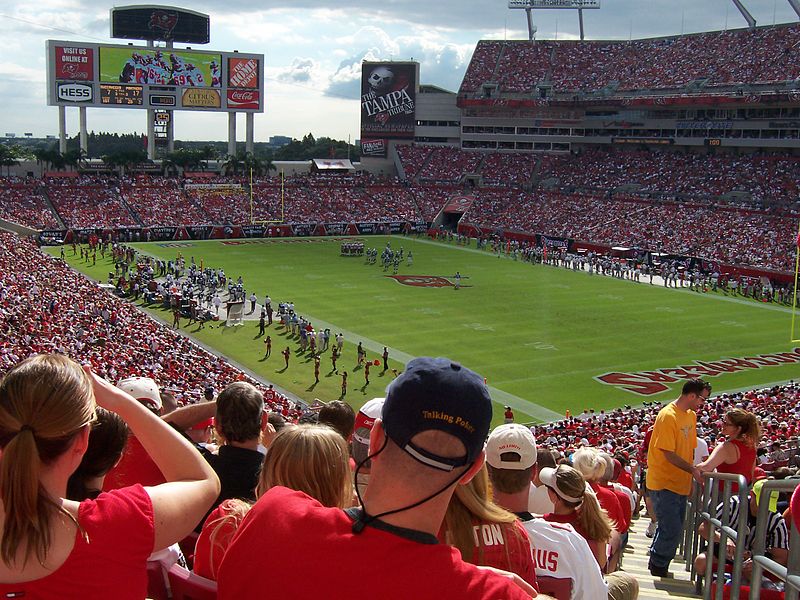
(134, 467)
(286, 528)
(119, 526)
(625, 479)
(624, 506)
(609, 501)
(502, 545)
(208, 554)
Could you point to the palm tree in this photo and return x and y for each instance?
(232, 164)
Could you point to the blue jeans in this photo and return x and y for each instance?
(670, 509)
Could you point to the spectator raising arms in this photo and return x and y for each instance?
(95, 548)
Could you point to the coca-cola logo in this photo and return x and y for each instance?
(243, 96)
(245, 99)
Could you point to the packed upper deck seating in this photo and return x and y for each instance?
(22, 202)
(647, 64)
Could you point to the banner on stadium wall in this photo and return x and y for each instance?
(388, 101)
(336, 228)
(52, 237)
(375, 148)
(160, 233)
(320, 230)
(253, 231)
(303, 229)
(199, 232)
(553, 242)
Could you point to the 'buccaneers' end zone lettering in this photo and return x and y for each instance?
(647, 383)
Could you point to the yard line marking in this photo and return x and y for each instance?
(535, 410)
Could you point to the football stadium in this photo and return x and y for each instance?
(602, 237)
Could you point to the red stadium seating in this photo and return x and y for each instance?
(185, 585)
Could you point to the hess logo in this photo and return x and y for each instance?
(74, 92)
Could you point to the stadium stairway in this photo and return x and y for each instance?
(52, 207)
(635, 563)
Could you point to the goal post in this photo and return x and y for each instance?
(253, 220)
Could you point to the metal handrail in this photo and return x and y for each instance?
(711, 500)
(789, 574)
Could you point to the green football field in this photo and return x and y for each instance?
(540, 335)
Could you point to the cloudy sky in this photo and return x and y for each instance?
(313, 50)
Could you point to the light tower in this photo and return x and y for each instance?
(529, 5)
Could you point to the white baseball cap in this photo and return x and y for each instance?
(511, 437)
(144, 389)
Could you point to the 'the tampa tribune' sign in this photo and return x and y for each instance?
(647, 383)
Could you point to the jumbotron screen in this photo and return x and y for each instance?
(101, 75)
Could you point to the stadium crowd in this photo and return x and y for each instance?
(21, 201)
(158, 201)
(662, 63)
(729, 236)
(47, 307)
(744, 203)
(89, 202)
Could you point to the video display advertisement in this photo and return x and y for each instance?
(74, 63)
(160, 67)
(243, 73)
(388, 99)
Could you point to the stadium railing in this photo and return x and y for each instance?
(790, 574)
(702, 508)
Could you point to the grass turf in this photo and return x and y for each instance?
(540, 335)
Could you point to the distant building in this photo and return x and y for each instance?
(279, 140)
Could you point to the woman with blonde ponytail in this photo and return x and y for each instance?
(576, 504)
(52, 547)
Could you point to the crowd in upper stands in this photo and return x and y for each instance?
(663, 63)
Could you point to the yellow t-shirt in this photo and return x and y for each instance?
(674, 430)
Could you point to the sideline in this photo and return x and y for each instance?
(213, 351)
(658, 282)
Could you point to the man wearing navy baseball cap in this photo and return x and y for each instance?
(428, 440)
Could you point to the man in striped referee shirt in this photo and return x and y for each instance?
(777, 546)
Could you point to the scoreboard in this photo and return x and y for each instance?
(127, 76)
(124, 95)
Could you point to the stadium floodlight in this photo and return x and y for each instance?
(573, 4)
(751, 22)
(529, 5)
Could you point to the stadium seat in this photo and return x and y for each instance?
(556, 587)
(156, 586)
(186, 585)
(187, 545)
